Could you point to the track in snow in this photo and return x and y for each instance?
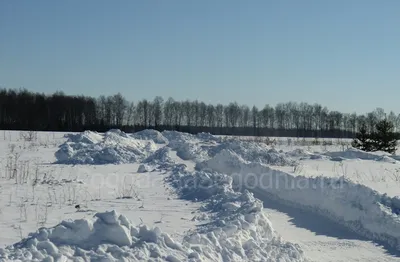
(320, 238)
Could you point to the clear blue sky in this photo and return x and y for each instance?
(344, 54)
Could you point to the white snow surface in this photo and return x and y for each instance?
(219, 177)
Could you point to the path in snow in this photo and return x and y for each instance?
(321, 239)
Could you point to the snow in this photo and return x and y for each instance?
(149, 134)
(114, 147)
(171, 196)
(358, 207)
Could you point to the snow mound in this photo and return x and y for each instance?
(160, 159)
(86, 137)
(150, 134)
(207, 137)
(107, 236)
(353, 153)
(254, 152)
(237, 228)
(187, 146)
(178, 136)
(114, 147)
(355, 206)
(202, 147)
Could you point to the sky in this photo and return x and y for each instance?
(343, 54)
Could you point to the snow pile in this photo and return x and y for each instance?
(150, 134)
(86, 137)
(107, 237)
(236, 229)
(353, 153)
(357, 207)
(254, 152)
(160, 159)
(207, 137)
(111, 148)
(202, 147)
(187, 146)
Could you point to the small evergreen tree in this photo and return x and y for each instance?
(363, 140)
(383, 139)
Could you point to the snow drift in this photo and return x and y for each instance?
(357, 207)
(114, 147)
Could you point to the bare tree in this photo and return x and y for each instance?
(157, 110)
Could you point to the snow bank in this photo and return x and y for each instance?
(113, 147)
(106, 237)
(357, 207)
(150, 134)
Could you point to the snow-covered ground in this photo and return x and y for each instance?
(171, 196)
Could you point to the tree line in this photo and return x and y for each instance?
(25, 110)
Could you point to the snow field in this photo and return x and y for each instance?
(195, 189)
(244, 233)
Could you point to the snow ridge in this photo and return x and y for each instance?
(236, 225)
(355, 206)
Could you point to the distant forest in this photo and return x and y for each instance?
(24, 110)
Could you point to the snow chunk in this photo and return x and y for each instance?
(143, 168)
